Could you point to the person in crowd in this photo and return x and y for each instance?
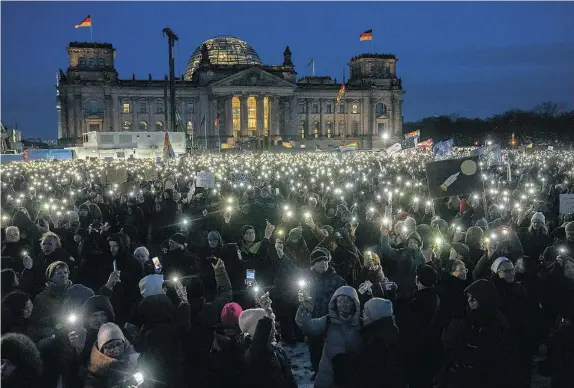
(373, 282)
(322, 281)
(535, 238)
(14, 247)
(264, 363)
(21, 362)
(9, 282)
(16, 311)
(451, 292)
(178, 262)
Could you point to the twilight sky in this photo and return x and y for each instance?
(474, 59)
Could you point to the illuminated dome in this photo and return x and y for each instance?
(224, 50)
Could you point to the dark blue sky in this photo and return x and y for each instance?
(474, 59)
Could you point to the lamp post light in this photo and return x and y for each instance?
(385, 136)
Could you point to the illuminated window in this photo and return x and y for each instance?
(341, 107)
(316, 129)
(143, 126)
(328, 108)
(355, 108)
(302, 129)
(189, 127)
(381, 109)
(158, 126)
(236, 113)
(315, 108)
(126, 125)
(159, 107)
(265, 116)
(142, 107)
(126, 107)
(252, 115)
(329, 130)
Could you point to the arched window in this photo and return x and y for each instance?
(93, 107)
(315, 108)
(381, 109)
(329, 108)
(189, 126)
(126, 126)
(143, 126)
(355, 108)
(301, 107)
(159, 107)
(159, 126)
(329, 130)
(302, 129)
(316, 129)
(142, 107)
(101, 62)
(81, 61)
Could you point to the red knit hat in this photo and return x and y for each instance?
(463, 206)
(230, 314)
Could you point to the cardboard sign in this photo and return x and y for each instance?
(205, 179)
(566, 203)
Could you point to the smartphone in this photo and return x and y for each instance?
(250, 277)
(115, 266)
(156, 263)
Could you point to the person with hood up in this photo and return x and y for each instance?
(264, 363)
(535, 238)
(178, 262)
(322, 281)
(476, 349)
(27, 228)
(16, 311)
(296, 248)
(379, 361)
(407, 260)
(21, 362)
(13, 246)
(112, 359)
(451, 292)
(473, 240)
(341, 328)
(47, 303)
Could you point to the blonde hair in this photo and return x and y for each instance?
(52, 235)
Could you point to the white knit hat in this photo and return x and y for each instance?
(151, 285)
(538, 217)
(248, 320)
(496, 264)
(109, 332)
(375, 309)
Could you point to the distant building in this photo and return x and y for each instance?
(11, 140)
(226, 82)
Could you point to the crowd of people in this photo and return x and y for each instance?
(199, 271)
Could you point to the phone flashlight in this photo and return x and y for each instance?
(307, 214)
(256, 289)
(24, 253)
(175, 279)
(302, 283)
(72, 318)
(138, 377)
(561, 250)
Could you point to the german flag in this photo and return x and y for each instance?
(367, 35)
(87, 22)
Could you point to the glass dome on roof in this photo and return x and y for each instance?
(224, 50)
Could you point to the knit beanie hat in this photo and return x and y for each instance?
(375, 309)
(23, 353)
(496, 264)
(230, 314)
(179, 238)
(109, 332)
(426, 275)
(328, 228)
(151, 285)
(320, 254)
(464, 206)
(245, 228)
(482, 223)
(76, 296)
(73, 216)
(296, 233)
(372, 259)
(14, 303)
(248, 320)
(99, 303)
(538, 217)
(411, 224)
(52, 267)
(569, 227)
(461, 249)
(415, 236)
(473, 236)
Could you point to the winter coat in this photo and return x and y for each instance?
(453, 300)
(561, 355)
(106, 372)
(179, 263)
(321, 289)
(265, 365)
(379, 362)
(407, 262)
(534, 243)
(341, 336)
(45, 313)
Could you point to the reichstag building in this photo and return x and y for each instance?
(227, 93)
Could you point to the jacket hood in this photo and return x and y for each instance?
(351, 293)
(485, 293)
(101, 365)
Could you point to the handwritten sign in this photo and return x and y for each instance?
(205, 179)
(566, 203)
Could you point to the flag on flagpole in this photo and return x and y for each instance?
(310, 62)
(87, 22)
(367, 35)
(168, 151)
(341, 93)
(413, 134)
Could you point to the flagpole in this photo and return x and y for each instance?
(205, 131)
(91, 31)
(313, 67)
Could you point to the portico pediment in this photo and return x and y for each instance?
(253, 78)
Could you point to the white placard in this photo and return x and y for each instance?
(566, 203)
(394, 149)
(205, 179)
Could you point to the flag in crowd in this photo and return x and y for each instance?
(490, 155)
(443, 149)
(454, 177)
(416, 133)
(168, 151)
(409, 142)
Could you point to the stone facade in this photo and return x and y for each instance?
(250, 100)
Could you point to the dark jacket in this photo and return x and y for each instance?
(453, 300)
(321, 289)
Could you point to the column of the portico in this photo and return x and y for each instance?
(399, 116)
(309, 127)
(228, 116)
(260, 115)
(373, 116)
(293, 129)
(321, 119)
(133, 107)
(348, 126)
(79, 115)
(244, 115)
(274, 116)
(115, 113)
